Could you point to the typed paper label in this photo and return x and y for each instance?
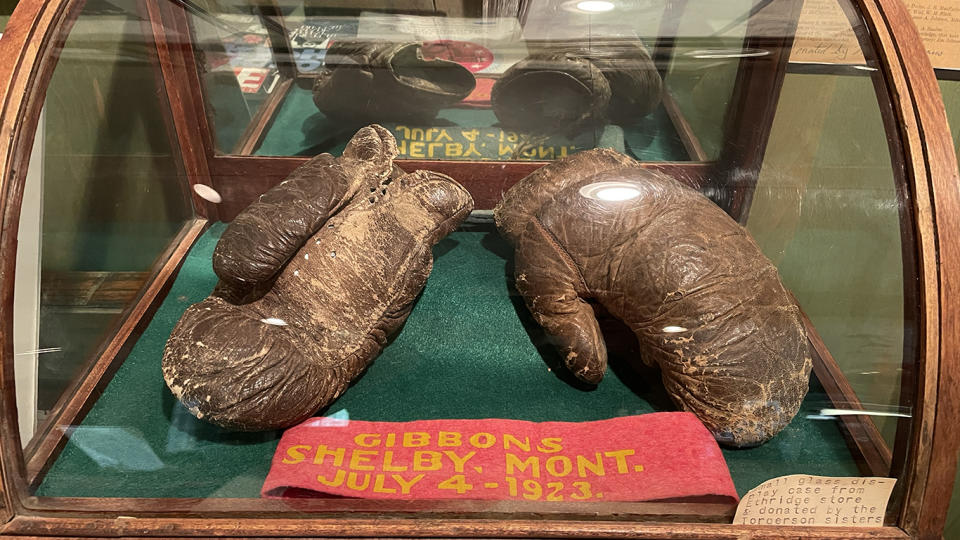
(802, 499)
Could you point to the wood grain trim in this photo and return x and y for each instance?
(931, 167)
(30, 48)
(318, 507)
(262, 120)
(83, 392)
(170, 35)
(687, 137)
(755, 98)
(530, 527)
(861, 432)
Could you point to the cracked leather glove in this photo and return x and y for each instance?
(573, 88)
(314, 278)
(704, 303)
(380, 81)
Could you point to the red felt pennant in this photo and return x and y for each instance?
(660, 456)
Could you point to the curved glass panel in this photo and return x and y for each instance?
(695, 209)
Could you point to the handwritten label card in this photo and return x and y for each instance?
(802, 499)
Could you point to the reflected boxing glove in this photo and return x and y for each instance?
(379, 81)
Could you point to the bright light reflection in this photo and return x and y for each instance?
(858, 412)
(674, 329)
(727, 53)
(207, 193)
(595, 6)
(611, 191)
(618, 194)
(274, 321)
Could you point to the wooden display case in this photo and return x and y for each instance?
(923, 456)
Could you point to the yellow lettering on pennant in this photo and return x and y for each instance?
(367, 440)
(337, 479)
(323, 452)
(584, 464)
(388, 463)
(427, 460)
(378, 486)
(404, 485)
(532, 462)
(565, 466)
(510, 439)
(414, 439)
(549, 445)
(449, 438)
(352, 481)
(482, 440)
(294, 455)
(358, 459)
(620, 456)
(458, 462)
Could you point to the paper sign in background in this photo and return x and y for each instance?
(824, 33)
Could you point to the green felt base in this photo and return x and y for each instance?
(299, 129)
(468, 350)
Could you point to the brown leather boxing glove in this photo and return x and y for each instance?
(704, 303)
(314, 277)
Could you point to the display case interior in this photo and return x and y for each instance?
(773, 278)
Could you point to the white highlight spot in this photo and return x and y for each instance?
(306, 256)
(296, 273)
(595, 6)
(703, 54)
(274, 321)
(207, 193)
(673, 329)
(858, 412)
(611, 191)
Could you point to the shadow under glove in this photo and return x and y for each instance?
(380, 81)
(574, 88)
(704, 303)
(314, 278)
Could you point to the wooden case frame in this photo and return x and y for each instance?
(926, 454)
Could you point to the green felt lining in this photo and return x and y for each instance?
(468, 350)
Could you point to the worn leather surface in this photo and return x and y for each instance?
(380, 81)
(572, 87)
(315, 276)
(704, 303)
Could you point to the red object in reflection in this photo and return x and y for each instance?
(472, 56)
